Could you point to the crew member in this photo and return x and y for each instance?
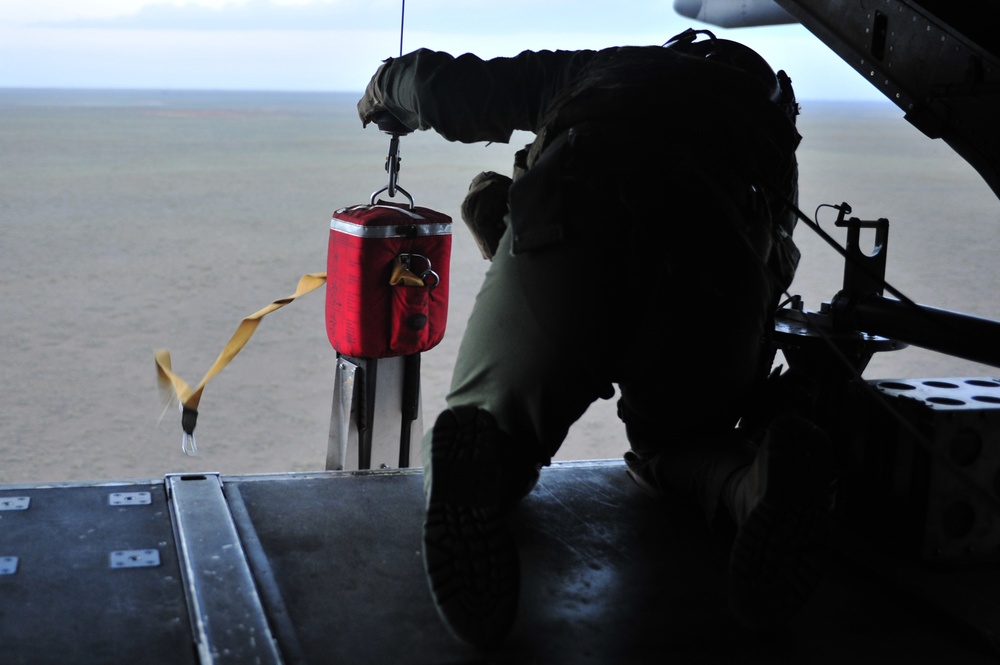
(643, 241)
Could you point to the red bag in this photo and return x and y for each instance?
(367, 316)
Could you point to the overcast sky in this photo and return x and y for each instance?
(335, 45)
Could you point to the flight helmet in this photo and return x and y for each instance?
(778, 86)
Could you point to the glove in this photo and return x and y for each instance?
(484, 210)
(370, 105)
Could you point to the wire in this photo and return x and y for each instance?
(402, 17)
(823, 205)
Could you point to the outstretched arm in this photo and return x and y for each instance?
(467, 98)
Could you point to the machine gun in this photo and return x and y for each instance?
(921, 456)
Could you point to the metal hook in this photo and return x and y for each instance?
(392, 167)
(398, 189)
(392, 164)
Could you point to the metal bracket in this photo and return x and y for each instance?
(130, 499)
(15, 503)
(864, 274)
(8, 565)
(135, 559)
(340, 419)
(375, 411)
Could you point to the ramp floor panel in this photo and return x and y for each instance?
(96, 577)
(608, 576)
(93, 574)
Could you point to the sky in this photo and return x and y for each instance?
(336, 45)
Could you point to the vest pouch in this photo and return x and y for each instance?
(411, 317)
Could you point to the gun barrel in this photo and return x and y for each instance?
(951, 333)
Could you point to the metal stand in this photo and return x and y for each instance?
(376, 414)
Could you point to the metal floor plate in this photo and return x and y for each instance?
(333, 560)
(89, 581)
(608, 576)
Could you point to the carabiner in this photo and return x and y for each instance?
(431, 273)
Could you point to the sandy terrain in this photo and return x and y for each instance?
(111, 248)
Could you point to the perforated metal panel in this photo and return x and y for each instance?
(928, 468)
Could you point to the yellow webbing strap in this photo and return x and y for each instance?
(188, 398)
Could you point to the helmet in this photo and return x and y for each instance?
(778, 86)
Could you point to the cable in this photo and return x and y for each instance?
(402, 17)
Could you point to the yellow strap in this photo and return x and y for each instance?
(190, 399)
(403, 275)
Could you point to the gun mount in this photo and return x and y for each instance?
(919, 457)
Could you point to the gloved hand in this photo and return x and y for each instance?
(370, 105)
(484, 210)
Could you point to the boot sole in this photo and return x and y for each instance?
(470, 555)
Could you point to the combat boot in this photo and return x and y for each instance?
(773, 500)
(781, 504)
(697, 476)
(477, 474)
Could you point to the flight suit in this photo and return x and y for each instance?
(643, 235)
(646, 242)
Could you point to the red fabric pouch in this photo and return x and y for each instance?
(366, 316)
